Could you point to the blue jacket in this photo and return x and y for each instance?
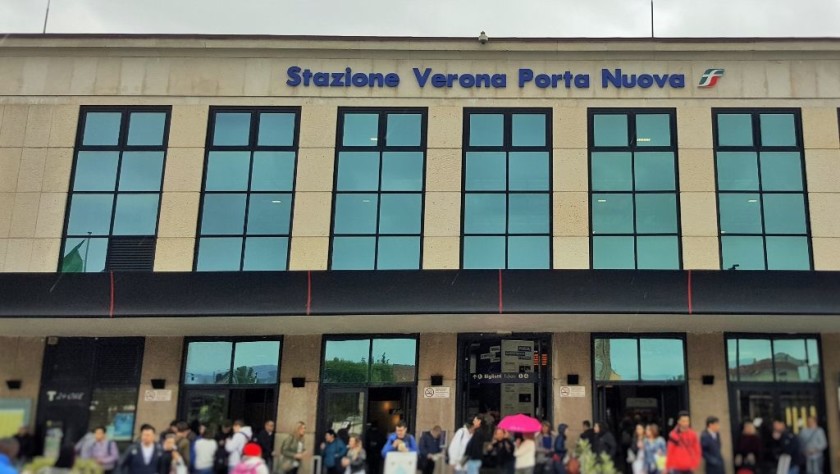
(410, 444)
(333, 452)
(711, 453)
(429, 445)
(6, 465)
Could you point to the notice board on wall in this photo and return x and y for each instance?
(14, 413)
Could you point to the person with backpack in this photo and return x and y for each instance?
(458, 445)
(184, 438)
(204, 452)
(252, 461)
(102, 450)
(144, 456)
(234, 446)
(560, 457)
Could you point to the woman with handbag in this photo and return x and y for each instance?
(292, 451)
(636, 451)
(354, 461)
(655, 450)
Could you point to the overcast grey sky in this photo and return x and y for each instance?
(524, 18)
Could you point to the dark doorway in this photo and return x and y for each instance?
(213, 407)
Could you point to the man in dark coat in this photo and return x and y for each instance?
(145, 456)
(710, 444)
(265, 439)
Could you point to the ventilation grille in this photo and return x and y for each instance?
(118, 362)
(131, 254)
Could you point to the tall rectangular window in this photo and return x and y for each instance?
(113, 207)
(379, 183)
(249, 184)
(762, 205)
(634, 197)
(507, 189)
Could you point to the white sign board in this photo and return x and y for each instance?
(436, 392)
(572, 391)
(401, 463)
(157, 396)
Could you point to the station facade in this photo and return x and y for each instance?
(350, 232)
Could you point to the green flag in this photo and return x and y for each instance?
(73, 262)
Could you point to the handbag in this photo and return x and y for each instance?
(661, 462)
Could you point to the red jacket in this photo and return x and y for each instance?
(684, 452)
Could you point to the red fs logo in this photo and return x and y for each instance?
(710, 78)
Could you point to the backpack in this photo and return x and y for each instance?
(246, 468)
(220, 459)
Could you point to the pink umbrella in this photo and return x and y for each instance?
(520, 424)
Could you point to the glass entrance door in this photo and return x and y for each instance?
(344, 409)
(209, 407)
(761, 404)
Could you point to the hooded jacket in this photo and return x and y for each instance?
(236, 444)
(560, 440)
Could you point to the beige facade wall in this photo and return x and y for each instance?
(822, 169)
(572, 355)
(21, 358)
(161, 360)
(438, 356)
(301, 358)
(707, 356)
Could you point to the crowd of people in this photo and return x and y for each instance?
(477, 446)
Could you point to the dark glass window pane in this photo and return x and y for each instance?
(612, 213)
(141, 171)
(656, 213)
(484, 252)
(737, 171)
(528, 171)
(658, 253)
(358, 171)
(734, 130)
(208, 363)
(486, 130)
(399, 253)
(484, 213)
(269, 213)
(96, 171)
(611, 130)
(746, 252)
(353, 253)
(90, 213)
(662, 359)
(84, 255)
(403, 130)
(528, 213)
(754, 360)
(102, 129)
(146, 128)
(740, 213)
(228, 171)
(529, 130)
(654, 171)
(219, 254)
(813, 359)
(394, 360)
(276, 129)
(732, 359)
(486, 171)
(790, 360)
(528, 252)
(223, 214)
(400, 213)
(136, 214)
(347, 361)
(778, 130)
(273, 171)
(265, 253)
(788, 253)
(256, 362)
(232, 129)
(781, 171)
(616, 360)
(355, 213)
(653, 130)
(612, 171)
(402, 171)
(784, 214)
(361, 129)
(613, 252)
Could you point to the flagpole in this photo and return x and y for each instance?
(46, 16)
(87, 248)
(651, 19)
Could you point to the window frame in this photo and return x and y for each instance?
(507, 147)
(638, 338)
(368, 337)
(632, 148)
(234, 340)
(772, 338)
(120, 148)
(422, 148)
(252, 147)
(757, 147)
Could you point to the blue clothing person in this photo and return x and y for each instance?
(333, 452)
(410, 444)
(6, 465)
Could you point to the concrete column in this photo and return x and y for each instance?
(442, 220)
(161, 360)
(570, 183)
(21, 358)
(707, 356)
(438, 356)
(301, 358)
(571, 355)
(831, 371)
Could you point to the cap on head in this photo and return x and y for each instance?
(252, 450)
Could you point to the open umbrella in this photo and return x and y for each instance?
(520, 424)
